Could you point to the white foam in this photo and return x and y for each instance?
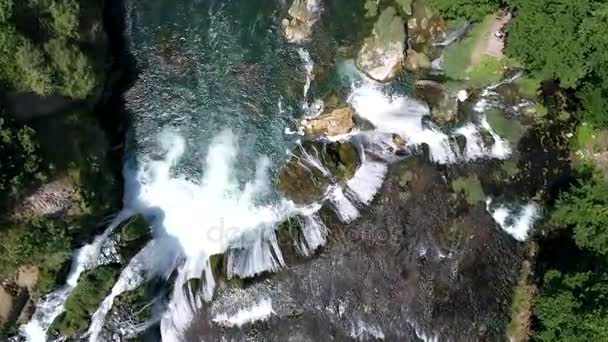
(314, 235)
(400, 115)
(345, 209)
(517, 221)
(362, 331)
(197, 218)
(261, 311)
(367, 180)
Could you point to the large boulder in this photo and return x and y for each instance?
(303, 15)
(382, 53)
(416, 61)
(336, 122)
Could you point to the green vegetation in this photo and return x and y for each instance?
(45, 64)
(472, 9)
(584, 210)
(92, 288)
(512, 130)
(19, 160)
(460, 64)
(471, 187)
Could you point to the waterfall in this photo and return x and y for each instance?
(51, 306)
(367, 179)
(345, 209)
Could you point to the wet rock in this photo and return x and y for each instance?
(416, 61)
(443, 104)
(423, 27)
(338, 121)
(453, 272)
(405, 6)
(303, 15)
(131, 237)
(381, 55)
(316, 165)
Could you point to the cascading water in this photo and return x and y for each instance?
(208, 137)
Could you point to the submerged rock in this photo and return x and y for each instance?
(338, 121)
(304, 14)
(382, 53)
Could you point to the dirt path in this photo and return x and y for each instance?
(491, 43)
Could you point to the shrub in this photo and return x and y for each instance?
(74, 70)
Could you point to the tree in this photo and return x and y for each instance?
(573, 307)
(585, 209)
(74, 70)
(6, 10)
(19, 160)
(470, 9)
(561, 39)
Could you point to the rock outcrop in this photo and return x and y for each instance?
(303, 15)
(338, 121)
(382, 54)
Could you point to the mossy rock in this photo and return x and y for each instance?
(510, 129)
(132, 237)
(471, 188)
(306, 183)
(84, 300)
(342, 160)
(134, 304)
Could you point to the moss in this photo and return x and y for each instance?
(343, 160)
(528, 86)
(92, 288)
(510, 129)
(458, 57)
(471, 187)
(135, 303)
(132, 237)
(518, 328)
(510, 167)
(489, 70)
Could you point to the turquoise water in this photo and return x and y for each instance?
(206, 66)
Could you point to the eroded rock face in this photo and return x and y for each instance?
(411, 266)
(303, 15)
(338, 121)
(382, 53)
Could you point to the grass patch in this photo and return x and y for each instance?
(510, 167)
(528, 86)
(512, 130)
(585, 136)
(471, 187)
(457, 57)
(488, 70)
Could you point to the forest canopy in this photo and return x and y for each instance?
(40, 50)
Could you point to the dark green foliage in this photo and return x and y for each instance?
(585, 210)
(40, 242)
(561, 39)
(573, 307)
(55, 64)
(92, 288)
(470, 9)
(19, 160)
